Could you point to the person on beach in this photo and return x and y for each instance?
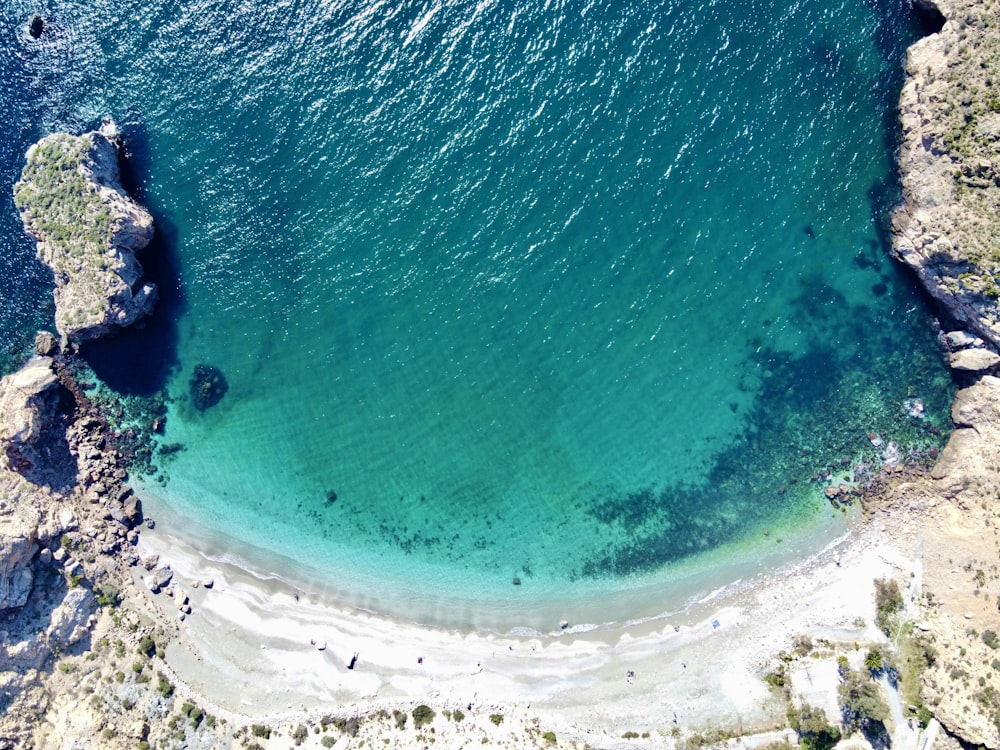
(353, 661)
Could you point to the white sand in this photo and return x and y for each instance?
(248, 648)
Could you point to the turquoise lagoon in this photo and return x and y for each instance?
(576, 295)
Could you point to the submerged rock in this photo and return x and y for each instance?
(88, 229)
(208, 386)
(36, 26)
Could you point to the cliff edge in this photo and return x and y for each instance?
(948, 228)
(88, 229)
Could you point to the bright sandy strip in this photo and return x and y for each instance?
(247, 647)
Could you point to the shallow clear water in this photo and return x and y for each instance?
(555, 292)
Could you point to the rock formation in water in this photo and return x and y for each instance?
(88, 230)
(948, 228)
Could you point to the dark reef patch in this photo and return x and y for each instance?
(207, 386)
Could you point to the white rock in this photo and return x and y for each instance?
(973, 360)
(68, 623)
(959, 339)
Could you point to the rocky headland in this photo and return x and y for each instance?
(88, 230)
(948, 227)
(88, 629)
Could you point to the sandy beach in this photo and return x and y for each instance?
(261, 649)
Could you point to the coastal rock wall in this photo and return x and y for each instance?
(18, 545)
(88, 230)
(961, 684)
(27, 406)
(948, 232)
(948, 228)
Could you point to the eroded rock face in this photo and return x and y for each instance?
(949, 163)
(88, 230)
(68, 625)
(18, 545)
(31, 438)
(959, 546)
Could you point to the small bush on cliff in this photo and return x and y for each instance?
(990, 639)
(147, 646)
(164, 688)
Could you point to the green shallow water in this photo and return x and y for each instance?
(576, 295)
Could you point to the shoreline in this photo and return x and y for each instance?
(523, 610)
(252, 631)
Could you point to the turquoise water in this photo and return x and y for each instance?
(557, 292)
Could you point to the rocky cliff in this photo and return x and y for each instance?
(948, 228)
(948, 232)
(65, 546)
(88, 230)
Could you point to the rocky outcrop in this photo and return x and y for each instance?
(961, 684)
(27, 408)
(88, 230)
(33, 407)
(949, 161)
(18, 545)
(64, 550)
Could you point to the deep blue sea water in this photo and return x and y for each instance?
(576, 294)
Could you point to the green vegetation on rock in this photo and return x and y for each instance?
(59, 202)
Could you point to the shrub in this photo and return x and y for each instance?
(990, 639)
(107, 596)
(497, 719)
(815, 732)
(422, 715)
(863, 704)
(164, 688)
(259, 730)
(888, 603)
(147, 646)
(300, 735)
(457, 715)
(551, 737)
(775, 679)
(843, 666)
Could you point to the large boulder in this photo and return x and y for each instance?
(973, 360)
(69, 622)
